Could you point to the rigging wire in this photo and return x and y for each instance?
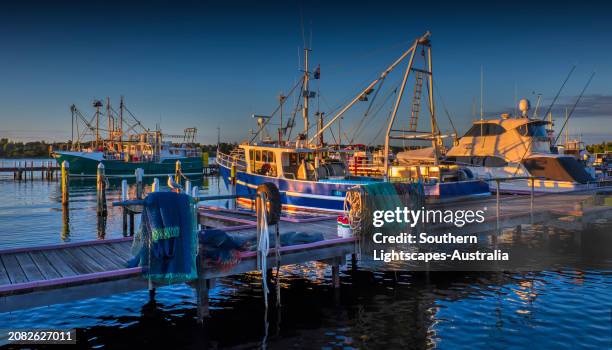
(275, 111)
(573, 108)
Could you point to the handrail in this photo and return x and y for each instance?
(198, 198)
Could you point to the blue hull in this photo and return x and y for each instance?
(329, 195)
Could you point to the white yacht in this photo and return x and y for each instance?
(517, 147)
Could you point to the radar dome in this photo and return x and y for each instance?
(524, 106)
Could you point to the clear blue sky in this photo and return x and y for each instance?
(209, 64)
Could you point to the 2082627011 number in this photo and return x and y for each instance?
(39, 336)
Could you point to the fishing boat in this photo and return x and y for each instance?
(127, 146)
(311, 175)
(519, 146)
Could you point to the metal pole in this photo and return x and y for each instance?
(188, 187)
(432, 109)
(306, 94)
(395, 108)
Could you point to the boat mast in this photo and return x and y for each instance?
(427, 70)
(371, 86)
(108, 117)
(306, 94)
(281, 100)
(97, 104)
(121, 124)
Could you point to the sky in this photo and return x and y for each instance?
(210, 64)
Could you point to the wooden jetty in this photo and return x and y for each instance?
(61, 273)
(52, 274)
(24, 170)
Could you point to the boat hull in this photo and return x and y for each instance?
(523, 186)
(329, 196)
(83, 166)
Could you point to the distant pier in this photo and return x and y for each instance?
(29, 169)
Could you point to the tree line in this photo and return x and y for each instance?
(42, 149)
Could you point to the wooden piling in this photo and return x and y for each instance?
(139, 173)
(336, 276)
(101, 191)
(65, 184)
(124, 211)
(155, 186)
(177, 172)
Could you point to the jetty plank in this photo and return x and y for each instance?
(4, 278)
(13, 269)
(110, 254)
(59, 264)
(72, 261)
(44, 265)
(29, 267)
(85, 262)
(122, 250)
(102, 260)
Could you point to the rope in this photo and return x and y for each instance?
(263, 247)
(354, 208)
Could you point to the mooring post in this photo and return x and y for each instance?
(497, 201)
(124, 197)
(336, 274)
(188, 187)
(177, 172)
(139, 173)
(65, 182)
(155, 186)
(101, 190)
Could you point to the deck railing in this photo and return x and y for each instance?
(227, 160)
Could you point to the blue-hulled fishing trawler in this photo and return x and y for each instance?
(312, 175)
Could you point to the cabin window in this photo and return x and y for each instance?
(264, 163)
(485, 129)
(532, 130)
(488, 161)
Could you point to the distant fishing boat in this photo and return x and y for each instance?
(124, 150)
(314, 176)
(517, 147)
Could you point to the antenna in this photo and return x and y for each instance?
(560, 89)
(481, 92)
(574, 107)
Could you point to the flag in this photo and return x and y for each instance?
(317, 72)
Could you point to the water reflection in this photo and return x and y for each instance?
(36, 206)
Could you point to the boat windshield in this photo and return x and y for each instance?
(535, 129)
(558, 169)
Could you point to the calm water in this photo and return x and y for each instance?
(567, 308)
